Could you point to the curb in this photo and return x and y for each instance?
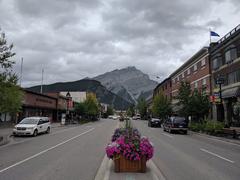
(216, 138)
(4, 139)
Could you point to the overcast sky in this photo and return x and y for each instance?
(73, 39)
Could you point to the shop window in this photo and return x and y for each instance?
(230, 55)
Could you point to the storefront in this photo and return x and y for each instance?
(231, 103)
(36, 104)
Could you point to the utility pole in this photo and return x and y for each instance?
(21, 72)
(41, 91)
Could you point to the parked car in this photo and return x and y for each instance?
(137, 117)
(32, 126)
(176, 123)
(154, 122)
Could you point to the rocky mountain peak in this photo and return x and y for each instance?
(130, 83)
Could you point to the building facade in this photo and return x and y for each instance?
(195, 71)
(165, 87)
(225, 62)
(36, 104)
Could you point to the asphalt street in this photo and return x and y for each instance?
(188, 157)
(76, 153)
(73, 153)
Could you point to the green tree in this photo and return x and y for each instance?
(161, 106)
(92, 107)
(199, 103)
(142, 107)
(184, 99)
(80, 109)
(130, 111)
(10, 94)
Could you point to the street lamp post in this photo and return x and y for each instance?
(220, 81)
(68, 95)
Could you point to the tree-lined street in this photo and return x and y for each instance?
(77, 153)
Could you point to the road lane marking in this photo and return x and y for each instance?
(214, 154)
(46, 150)
(219, 140)
(167, 135)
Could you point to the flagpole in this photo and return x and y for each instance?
(210, 40)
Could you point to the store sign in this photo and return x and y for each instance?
(216, 96)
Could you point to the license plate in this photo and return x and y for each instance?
(180, 126)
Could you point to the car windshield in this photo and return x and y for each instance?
(179, 120)
(29, 121)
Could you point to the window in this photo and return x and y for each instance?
(183, 75)
(217, 62)
(178, 78)
(195, 85)
(195, 67)
(203, 62)
(188, 71)
(204, 82)
(230, 55)
(233, 77)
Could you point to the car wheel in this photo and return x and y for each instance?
(185, 132)
(48, 130)
(35, 133)
(170, 131)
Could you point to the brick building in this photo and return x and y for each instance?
(225, 62)
(166, 87)
(196, 71)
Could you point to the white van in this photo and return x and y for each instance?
(32, 126)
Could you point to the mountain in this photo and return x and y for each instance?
(103, 95)
(129, 83)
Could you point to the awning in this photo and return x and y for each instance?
(233, 92)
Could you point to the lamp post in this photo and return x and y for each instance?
(68, 95)
(220, 81)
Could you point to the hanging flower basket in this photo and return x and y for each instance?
(129, 150)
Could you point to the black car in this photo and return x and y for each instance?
(176, 123)
(154, 122)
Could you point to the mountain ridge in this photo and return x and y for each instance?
(130, 83)
(104, 95)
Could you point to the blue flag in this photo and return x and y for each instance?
(212, 33)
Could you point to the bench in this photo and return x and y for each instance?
(232, 131)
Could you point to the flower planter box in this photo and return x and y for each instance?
(121, 164)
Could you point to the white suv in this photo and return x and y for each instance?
(32, 126)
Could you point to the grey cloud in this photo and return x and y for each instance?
(74, 39)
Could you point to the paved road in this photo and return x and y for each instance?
(183, 157)
(73, 153)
